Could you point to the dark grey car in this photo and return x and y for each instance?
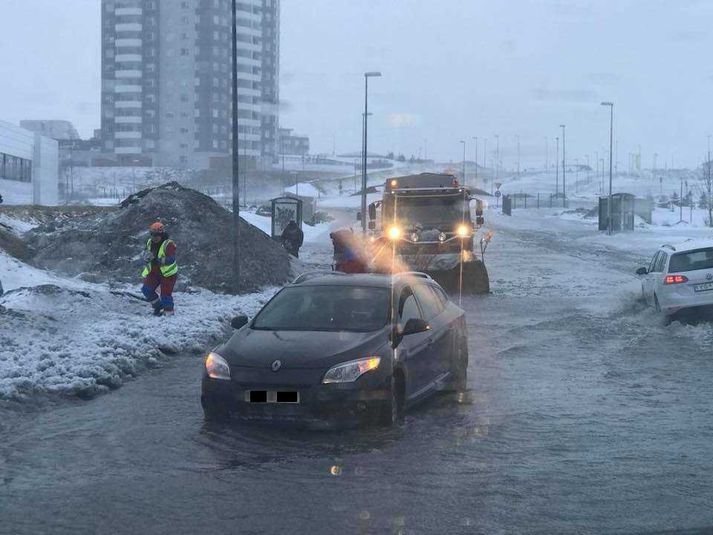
(334, 350)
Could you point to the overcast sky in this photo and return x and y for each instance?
(452, 69)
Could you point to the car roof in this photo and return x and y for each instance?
(687, 245)
(375, 280)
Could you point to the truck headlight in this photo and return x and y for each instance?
(216, 367)
(442, 237)
(463, 230)
(394, 233)
(414, 236)
(349, 372)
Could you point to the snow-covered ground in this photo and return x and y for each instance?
(67, 336)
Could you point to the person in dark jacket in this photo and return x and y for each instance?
(293, 238)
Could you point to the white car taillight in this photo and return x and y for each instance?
(675, 279)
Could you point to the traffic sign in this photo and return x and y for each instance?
(498, 184)
(497, 193)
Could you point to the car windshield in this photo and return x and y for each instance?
(325, 308)
(692, 260)
(429, 210)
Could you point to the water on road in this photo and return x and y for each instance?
(584, 413)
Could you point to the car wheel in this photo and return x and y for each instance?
(656, 303)
(394, 410)
(459, 371)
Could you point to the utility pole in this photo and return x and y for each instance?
(547, 156)
(518, 156)
(564, 169)
(611, 143)
(710, 185)
(236, 155)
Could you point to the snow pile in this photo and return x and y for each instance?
(73, 337)
(109, 245)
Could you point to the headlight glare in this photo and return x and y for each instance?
(348, 372)
(216, 367)
(442, 237)
(394, 233)
(462, 230)
(414, 236)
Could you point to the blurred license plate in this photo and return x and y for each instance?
(703, 287)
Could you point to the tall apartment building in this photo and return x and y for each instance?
(166, 81)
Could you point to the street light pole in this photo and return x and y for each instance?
(476, 161)
(557, 169)
(518, 156)
(564, 169)
(465, 181)
(611, 150)
(547, 155)
(236, 155)
(367, 75)
(497, 157)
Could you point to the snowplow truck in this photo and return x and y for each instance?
(424, 223)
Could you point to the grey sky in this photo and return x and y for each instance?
(452, 69)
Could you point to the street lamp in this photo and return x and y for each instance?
(236, 154)
(611, 147)
(465, 181)
(564, 170)
(367, 75)
(557, 168)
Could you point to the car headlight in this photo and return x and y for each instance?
(442, 237)
(414, 236)
(349, 372)
(216, 367)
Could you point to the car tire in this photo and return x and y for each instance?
(656, 304)
(459, 371)
(393, 411)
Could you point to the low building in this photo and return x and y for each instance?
(292, 144)
(29, 166)
(59, 130)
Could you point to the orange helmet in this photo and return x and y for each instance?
(157, 228)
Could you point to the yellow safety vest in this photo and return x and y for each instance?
(167, 270)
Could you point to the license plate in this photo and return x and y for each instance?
(703, 287)
(272, 396)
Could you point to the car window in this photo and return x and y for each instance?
(440, 295)
(430, 304)
(692, 260)
(652, 264)
(408, 307)
(661, 262)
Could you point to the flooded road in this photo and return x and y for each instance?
(584, 413)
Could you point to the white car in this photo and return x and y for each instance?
(679, 277)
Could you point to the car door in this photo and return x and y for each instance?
(441, 332)
(414, 349)
(657, 277)
(647, 283)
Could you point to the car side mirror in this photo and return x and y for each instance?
(415, 325)
(642, 271)
(480, 221)
(238, 322)
(358, 216)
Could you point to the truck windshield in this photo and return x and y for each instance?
(430, 211)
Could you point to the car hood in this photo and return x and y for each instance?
(252, 348)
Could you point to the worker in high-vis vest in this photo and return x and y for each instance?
(161, 270)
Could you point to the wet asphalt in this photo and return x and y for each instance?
(584, 413)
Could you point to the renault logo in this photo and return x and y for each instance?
(276, 365)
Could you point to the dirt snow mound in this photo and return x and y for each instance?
(109, 247)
